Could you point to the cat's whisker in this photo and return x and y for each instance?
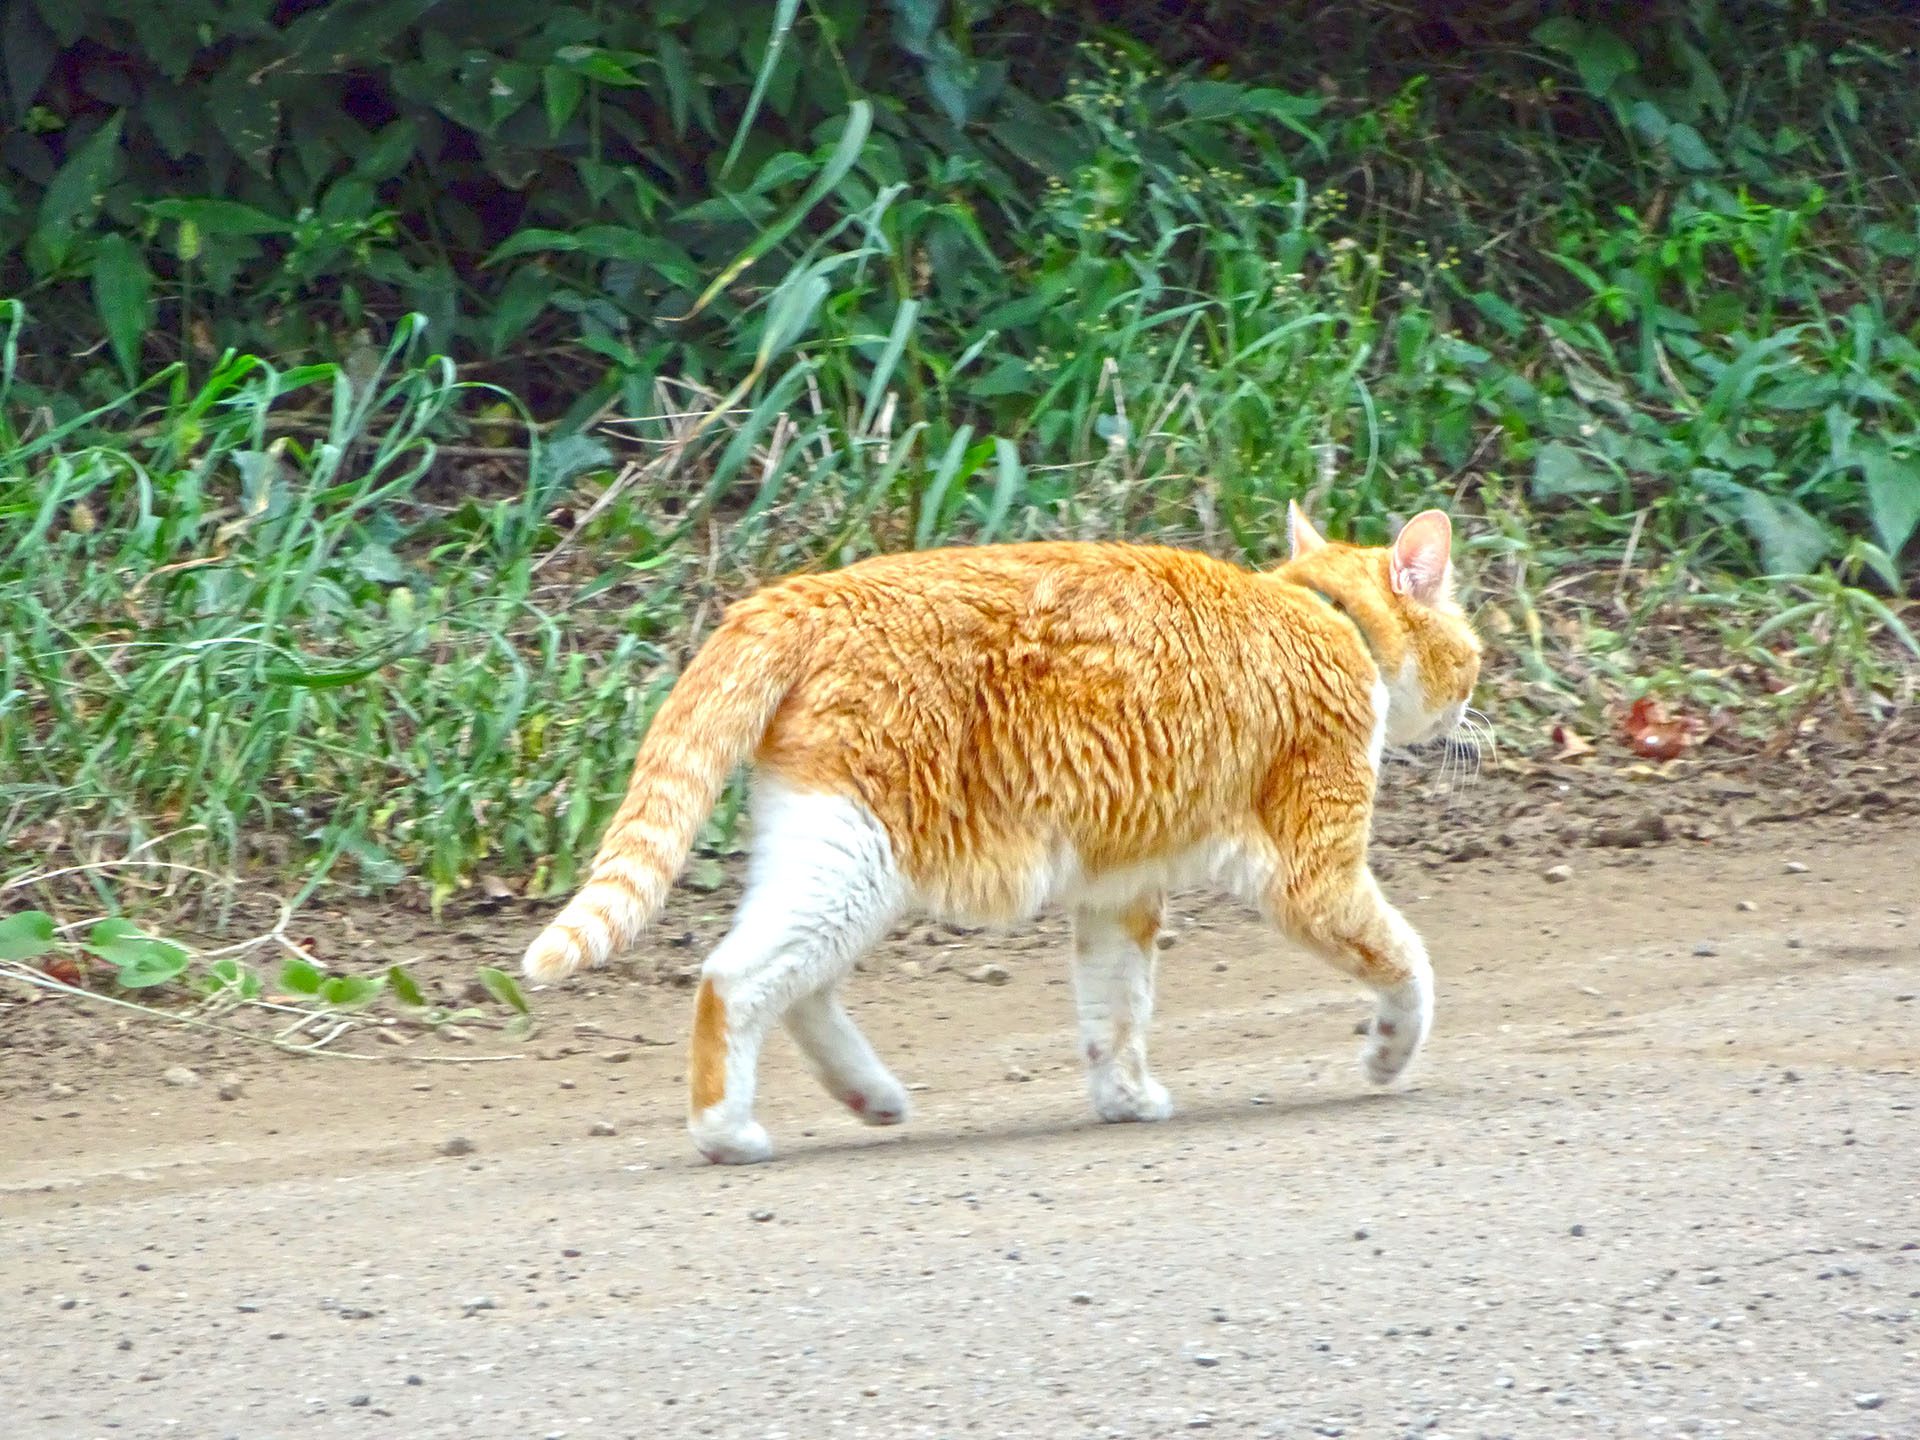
(1469, 754)
(1481, 725)
(1447, 779)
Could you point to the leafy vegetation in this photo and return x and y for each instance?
(448, 367)
(324, 1006)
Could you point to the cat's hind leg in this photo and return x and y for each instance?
(822, 886)
(1113, 960)
(843, 1061)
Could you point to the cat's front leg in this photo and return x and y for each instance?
(1352, 927)
(1113, 959)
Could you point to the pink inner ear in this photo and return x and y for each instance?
(1421, 556)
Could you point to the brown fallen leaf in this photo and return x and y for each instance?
(1570, 743)
(1655, 735)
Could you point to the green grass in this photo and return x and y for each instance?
(257, 619)
(372, 619)
(266, 611)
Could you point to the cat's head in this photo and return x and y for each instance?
(1401, 595)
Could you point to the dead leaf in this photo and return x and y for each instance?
(494, 888)
(1655, 735)
(1570, 743)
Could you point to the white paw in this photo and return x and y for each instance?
(731, 1144)
(1398, 1030)
(1117, 1099)
(878, 1100)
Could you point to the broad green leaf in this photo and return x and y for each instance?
(1560, 470)
(1737, 380)
(1500, 312)
(790, 312)
(219, 217)
(141, 959)
(1649, 119)
(407, 989)
(1899, 241)
(391, 152)
(913, 22)
(562, 90)
(1600, 56)
(28, 49)
(76, 192)
(26, 935)
(247, 114)
(348, 992)
(502, 987)
(676, 68)
(123, 294)
(1219, 99)
(156, 965)
(1689, 149)
(509, 87)
(377, 563)
(606, 242)
(521, 300)
(609, 67)
(168, 39)
(779, 169)
(301, 977)
(1893, 495)
(559, 461)
(949, 77)
(67, 20)
(116, 940)
(1791, 541)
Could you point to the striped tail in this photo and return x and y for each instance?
(711, 721)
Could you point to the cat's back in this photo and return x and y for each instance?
(1025, 591)
(999, 705)
(1073, 646)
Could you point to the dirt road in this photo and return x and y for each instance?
(1656, 1175)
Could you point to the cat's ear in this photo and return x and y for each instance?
(1422, 560)
(1300, 531)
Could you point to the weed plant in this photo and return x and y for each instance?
(1643, 317)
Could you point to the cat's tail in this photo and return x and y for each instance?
(711, 720)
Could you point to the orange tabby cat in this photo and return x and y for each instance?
(977, 733)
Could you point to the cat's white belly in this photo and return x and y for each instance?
(797, 832)
(1063, 881)
(1220, 864)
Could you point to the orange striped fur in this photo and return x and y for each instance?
(978, 733)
